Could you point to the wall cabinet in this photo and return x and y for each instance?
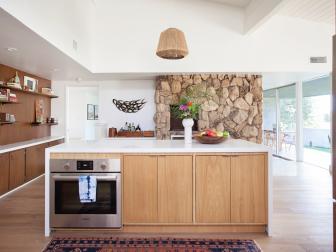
(157, 189)
(4, 173)
(213, 185)
(17, 167)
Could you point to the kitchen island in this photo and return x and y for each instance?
(168, 186)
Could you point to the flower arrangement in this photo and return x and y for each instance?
(186, 109)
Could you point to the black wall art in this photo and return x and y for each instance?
(129, 106)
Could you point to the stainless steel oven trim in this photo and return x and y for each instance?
(85, 220)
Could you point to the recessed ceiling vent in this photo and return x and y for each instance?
(318, 60)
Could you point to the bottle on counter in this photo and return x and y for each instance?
(138, 128)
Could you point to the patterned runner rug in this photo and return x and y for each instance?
(114, 244)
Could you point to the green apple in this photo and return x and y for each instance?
(226, 134)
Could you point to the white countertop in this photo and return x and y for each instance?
(154, 146)
(26, 144)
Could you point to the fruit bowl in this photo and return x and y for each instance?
(211, 139)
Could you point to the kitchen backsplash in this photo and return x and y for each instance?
(234, 103)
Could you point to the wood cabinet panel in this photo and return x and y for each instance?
(175, 189)
(140, 190)
(4, 173)
(54, 143)
(248, 189)
(35, 161)
(213, 189)
(16, 168)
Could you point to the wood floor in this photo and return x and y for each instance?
(302, 214)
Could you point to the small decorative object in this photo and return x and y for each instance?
(30, 84)
(172, 44)
(129, 106)
(39, 111)
(47, 91)
(96, 114)
(15, 82)
(187, 111)
(4, 94)
(90, 112)
(211, 136)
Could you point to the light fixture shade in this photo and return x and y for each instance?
(172, 44)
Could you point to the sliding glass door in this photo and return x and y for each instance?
(287, 122)
(270, 119)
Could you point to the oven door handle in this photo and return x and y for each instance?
(72, 178)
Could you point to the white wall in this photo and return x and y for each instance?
(60, 22)
(121, 36)
(214, 34)
(108, 113)
(78, 127)
(127, 90)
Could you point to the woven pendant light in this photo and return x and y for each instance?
(172, 44)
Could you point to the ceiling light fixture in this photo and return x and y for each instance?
(172, 44)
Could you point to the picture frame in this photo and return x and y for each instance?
(30, 84)
(90, 113)
(96, 112)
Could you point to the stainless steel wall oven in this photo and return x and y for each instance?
(66, 209)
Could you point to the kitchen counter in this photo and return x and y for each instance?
(155, 146)
(172, 187)
(27, 144)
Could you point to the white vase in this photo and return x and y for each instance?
(187, 124)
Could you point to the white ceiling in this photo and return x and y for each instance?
(313, 10)
(238, 3)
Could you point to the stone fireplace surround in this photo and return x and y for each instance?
(234, 103)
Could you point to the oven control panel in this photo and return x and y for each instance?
(83, 165)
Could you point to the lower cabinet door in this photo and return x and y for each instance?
(175, 189)
(35, 161)
(140, 189)
(213, 189)
(248, 189)
(4, 173)
(17, 168)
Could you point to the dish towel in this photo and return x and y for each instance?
(87, 189)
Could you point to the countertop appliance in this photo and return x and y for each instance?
(66, 210)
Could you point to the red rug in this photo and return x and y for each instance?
(149, 245)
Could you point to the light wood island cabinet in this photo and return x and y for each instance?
(213, 189)
(195, 192)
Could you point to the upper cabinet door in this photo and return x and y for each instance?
(140, 189)
(17, 168)
(248, 189)
(213, 189)
(175, 189)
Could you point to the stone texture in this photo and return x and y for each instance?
(165, 86)
(240, 103)
(233, 93)
(234, 103)
(249, 98)
(239, 116)
(176, 87)
(209, 106)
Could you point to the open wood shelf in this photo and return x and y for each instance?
(40, 124)
(8, 102)
(27, 92)
(5, 123)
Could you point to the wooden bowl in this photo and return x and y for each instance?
(210, 140)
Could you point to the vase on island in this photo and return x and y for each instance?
(187, 124)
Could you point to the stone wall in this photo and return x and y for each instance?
(234, 103)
